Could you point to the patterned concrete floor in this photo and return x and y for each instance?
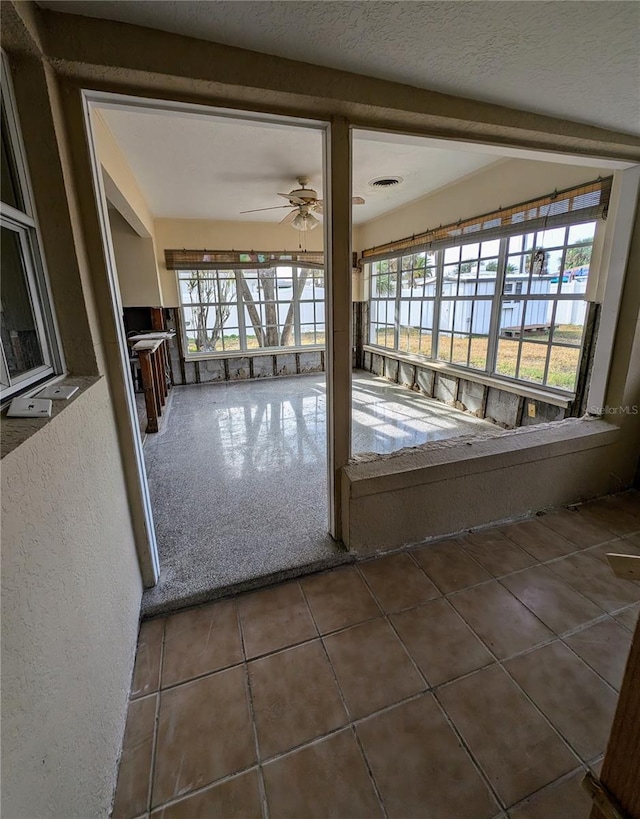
(237, 475)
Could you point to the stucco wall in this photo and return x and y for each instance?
(136, 265)
(498, 185)
(71, 594)
(200, 233)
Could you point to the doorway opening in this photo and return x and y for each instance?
(215, 233)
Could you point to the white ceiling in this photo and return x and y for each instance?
(199, 167)
(575, 60)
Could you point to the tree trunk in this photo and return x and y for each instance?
(288, 324)
(268, 281)
(247, 298)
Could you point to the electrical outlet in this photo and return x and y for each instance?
(57, 392)
(531, 409)
(30, 408)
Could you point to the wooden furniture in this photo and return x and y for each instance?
(153, 355)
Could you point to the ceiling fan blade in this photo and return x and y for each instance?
(358, 200)
(296, 199)
(289, 217)
(255, 210)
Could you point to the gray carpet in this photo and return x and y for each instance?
(237, 476)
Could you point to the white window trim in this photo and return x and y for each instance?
(244, 351)
(497, 299)
(25, 224)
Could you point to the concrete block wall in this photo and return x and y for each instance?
(506, 409)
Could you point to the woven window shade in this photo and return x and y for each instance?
(239, 259)
(582, 204)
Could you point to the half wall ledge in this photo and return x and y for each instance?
(448, 487)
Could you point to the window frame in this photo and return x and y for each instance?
(245, 328)
(498, 298)
(24, 223)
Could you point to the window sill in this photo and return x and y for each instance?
(15, 431)
(253, 353)
(535, 393)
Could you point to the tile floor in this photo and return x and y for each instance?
(467, 679)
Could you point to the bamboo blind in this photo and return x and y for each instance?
(589, 201)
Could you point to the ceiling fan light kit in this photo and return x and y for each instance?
(305, 202)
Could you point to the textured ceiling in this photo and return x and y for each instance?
(192, 167)
(575, 60)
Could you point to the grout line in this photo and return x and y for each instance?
(429, 688)
(261, 785)
(350, 721)
(582, 767)
(156, 724)
(588, 664)
(176, 800)
(501, 663)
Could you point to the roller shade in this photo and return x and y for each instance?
(581, 204)
(239, 259)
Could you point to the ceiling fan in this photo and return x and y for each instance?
(305, 204)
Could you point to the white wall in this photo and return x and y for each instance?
(71, 593)
(499, 185)
(135, 263)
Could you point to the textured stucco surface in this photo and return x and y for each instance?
(558, 58)
(71, 595)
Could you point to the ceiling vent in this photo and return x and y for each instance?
(385, 182)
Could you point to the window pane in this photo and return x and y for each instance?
(478, 352)
(444, 346)
(460, 350)
(10, 188)
(533, 358)
(563, 367)
(20, 341)
(569, 322)
(581, 233)
(507, 358)
(552, 238)
(425, 347)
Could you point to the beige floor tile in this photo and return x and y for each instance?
(325, 780)
(605, 647)
(449, 566)
(237, 798)
(496, 552)
(623, 546)
(372, 667)
(628, 501)
(339, 599)
(198, 641)
(539, 540)
(420, 767)
(499, 619)
(612, 514)
(134, 774)
(440, 642)
(558, 605)
(628, 617)
(594, 579)
(146, 674)
(295, 698)
(562, 800)
(275, 618)
(574, 527)
(570, 694)
(204, 734)
(514, 745)
(397, 582)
